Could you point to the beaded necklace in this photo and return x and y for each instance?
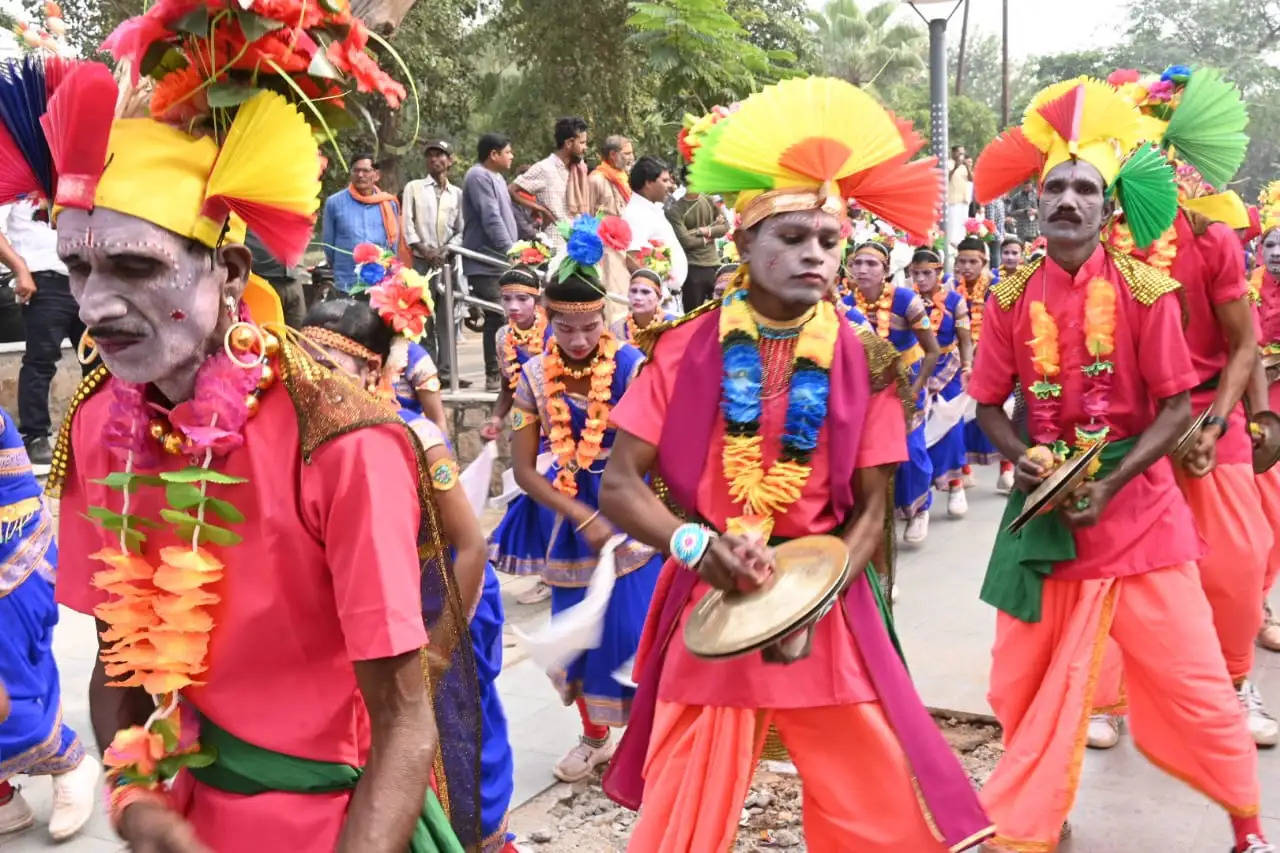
(884, 308)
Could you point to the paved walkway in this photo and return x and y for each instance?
(1124, 805)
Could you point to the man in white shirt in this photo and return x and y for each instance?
(432, 217)
(29, 248)
(646, 214)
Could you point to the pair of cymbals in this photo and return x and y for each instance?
(809, 573)
(1055, 488)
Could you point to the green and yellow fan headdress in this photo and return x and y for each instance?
(796, 145)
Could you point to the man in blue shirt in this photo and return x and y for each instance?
(360, 213)
(488, 227)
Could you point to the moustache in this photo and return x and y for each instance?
(1061, 215)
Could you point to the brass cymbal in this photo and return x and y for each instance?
(809, 572)
(1188, 439)
(1056, 487)
(1262, 458)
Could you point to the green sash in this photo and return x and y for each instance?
(242, 768)
(1021, 561)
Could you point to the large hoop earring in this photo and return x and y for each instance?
(240, 338)
(82, 356)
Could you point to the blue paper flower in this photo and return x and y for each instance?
(1176, 73)
(585, 247)
(372, 273)
(586, 222)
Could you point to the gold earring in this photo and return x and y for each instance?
(243, 338)
(85, 341)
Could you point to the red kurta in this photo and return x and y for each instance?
(1147, 525)
(834, 673)
(327, 574)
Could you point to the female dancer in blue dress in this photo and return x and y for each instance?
(352, 337)
(898, 315)
(949, 317)
(645, 295)
(566, 395)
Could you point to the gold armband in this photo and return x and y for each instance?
(444, 474)
(521, 419)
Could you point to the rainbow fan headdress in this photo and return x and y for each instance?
(817, 142)
(1086, 120)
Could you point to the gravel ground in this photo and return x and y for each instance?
(579, 818)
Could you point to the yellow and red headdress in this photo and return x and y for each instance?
(1269, 208)
(817, 142)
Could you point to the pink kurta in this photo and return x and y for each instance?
(327, 574)
(1147, 525)
(833, 673)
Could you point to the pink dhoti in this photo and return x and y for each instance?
(1268, 484)
(1183, 711)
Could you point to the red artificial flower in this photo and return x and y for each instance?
(615, 233)
(178, 98)
(531, 256)
(1122, 76)
(349, 55)
(365, 253)
(682, 142)
(989, 225)
(133, 37)
(402, 307)
(846, 229)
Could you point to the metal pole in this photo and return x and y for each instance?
(450, 339)
(1004, 67)
(938, 107)
(964, 35)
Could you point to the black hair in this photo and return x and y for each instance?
(1010, 241)
(573, 288)
(352, 319)
(365, 155)
(645, 272)
(973, 244)
(567, 128)
(876, 246)
(646, 169)
(521, 274)
(489, 143)
(925, 256)
(726, 269)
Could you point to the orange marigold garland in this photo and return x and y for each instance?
(1161, 254)
(530, 339)
(884, 308)
(977, 301)
(582, 454)
(939, 308)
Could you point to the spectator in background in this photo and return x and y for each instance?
(1021, 209)
(359, 213)
(488, 227)
(283, 280)
(432, 218)
(610, 190)
(698, 223)
(651, 184)
(995, 211)
(29, 248)
(1010, 255)
(528, 223)
(558, 182)
(959, 191)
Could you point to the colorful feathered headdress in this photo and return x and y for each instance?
(817, 142)
(1269, 207)
(1087, 120)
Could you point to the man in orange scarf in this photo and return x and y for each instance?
(609, 190)
(359, 213)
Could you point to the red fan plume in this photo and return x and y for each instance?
(1063, 113)
(56, 70)
(912, 140)
(907, 196)
(16, 177)
(77, 125)
(1003, 165)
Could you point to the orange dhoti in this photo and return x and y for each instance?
(1229, 513)
(1269, 489)
(701, 759)
(1183, 711)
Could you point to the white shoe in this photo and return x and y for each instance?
(1104, 731)
(1269, 635)
(1263, 726)
(1257, 845)
(957, 503)
(74, 797)
(15, 815)
(579, 762)
(1004, 483)
(917, 529)
(535, 594)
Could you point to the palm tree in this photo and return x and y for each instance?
(866, 48)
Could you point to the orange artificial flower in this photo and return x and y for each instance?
(135, 749)
(1044, 346)
(1100, 318)
(178, 98)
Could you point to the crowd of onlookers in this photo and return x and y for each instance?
(1013, 215)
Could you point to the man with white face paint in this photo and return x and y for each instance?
(220, 490)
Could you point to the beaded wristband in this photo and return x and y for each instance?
(690, 542)
(120, 797)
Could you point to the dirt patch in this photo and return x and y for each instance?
(579, 818)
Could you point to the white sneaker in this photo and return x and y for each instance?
(957, 503)
(1104, 731)
(535, 594)
(1257, 845)
(1263, 726)
(917, 529)
(1004, 483)
(1269, 634)
(578, 762)
(15, 815)
(74, 797)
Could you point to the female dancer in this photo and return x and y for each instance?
(646, 295)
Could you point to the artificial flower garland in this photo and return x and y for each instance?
(884, 308)
(530, 339)
(977, 301)
(580, 455)
(765, 494)
(939, 309)
(1160, 254)
(633, 328)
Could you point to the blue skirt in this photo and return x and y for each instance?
(497, 767)
(949, 454)
(33, 740)
(590, 675)
(981, 450)
(913, 483)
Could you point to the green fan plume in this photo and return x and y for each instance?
(1206, 130)
(1147, 194)
(708, 176)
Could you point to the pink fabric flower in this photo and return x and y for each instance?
(1122, 76)
(365, 253)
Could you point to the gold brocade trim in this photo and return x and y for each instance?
(62, 447)
(1146, 283)
(980, 835)
(19, 511)
(1010, 287)
(39, 758)
(575, 307)
(924, 810)
(1001, 842)
(886, 368)
(1234, 811)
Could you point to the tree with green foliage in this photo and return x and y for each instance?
(778, 25)
(868, 48)
(971, 123)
